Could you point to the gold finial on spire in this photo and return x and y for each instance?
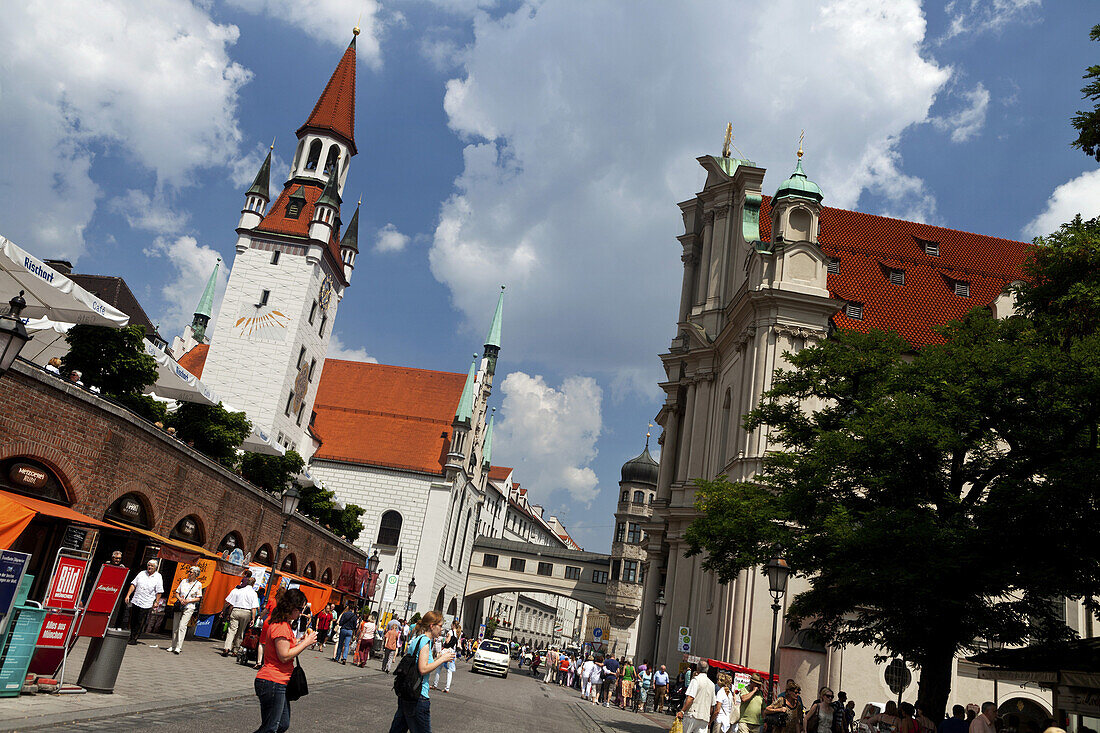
(355, 30)
(272, 143)
(650, 428)
(360, 201)
(801, 136)
(729, 139)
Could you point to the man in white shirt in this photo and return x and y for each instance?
(698, 707)
(245, 603)
(145, 591)
(188, 594)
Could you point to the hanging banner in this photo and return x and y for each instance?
(362, 582)
(67, 580)
(346, 581)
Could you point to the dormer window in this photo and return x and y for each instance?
(932, 249)
(854, 310)
(962, 288)
(833, 267)
(293, 210)
(897, 277)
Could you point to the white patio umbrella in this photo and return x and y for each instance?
(49, 293)
(258, 441)
(47, 340)
(175, 382)
(305, 478)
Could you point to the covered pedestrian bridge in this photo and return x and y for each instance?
(506, 566)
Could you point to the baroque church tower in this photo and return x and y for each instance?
(291, 267)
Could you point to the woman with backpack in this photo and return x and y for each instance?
(414, 715)
(281, 647)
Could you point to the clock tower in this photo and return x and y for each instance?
(293, 261)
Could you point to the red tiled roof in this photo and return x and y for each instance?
(868, 246)
(389, 416)
(277, 222)
(195, 359)
(499, 473)
(335, 109)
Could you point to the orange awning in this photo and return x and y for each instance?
(14, 518)
(55, 510)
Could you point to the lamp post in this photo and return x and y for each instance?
(291, 497)
(994, 645)
(658, 613)
(777, 571)
(13, 335)
(372, 573)
(408, 603)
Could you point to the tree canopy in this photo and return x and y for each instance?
(211, 429)
(1087, 122)
(114, 360)
(931, 498)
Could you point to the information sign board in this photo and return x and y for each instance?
(107, 589)
(20, 648)
(389, 594)
(55, 630)
(12, 565)
(67, 580)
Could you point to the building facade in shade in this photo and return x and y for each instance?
(763, 276)
(508, 513)
(293, 261)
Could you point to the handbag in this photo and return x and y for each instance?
(407, 679)
(297, 686)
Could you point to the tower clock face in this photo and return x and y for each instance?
(324, 297)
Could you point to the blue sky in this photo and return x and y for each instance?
(539, 145)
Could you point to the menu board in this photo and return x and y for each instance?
(20, 649)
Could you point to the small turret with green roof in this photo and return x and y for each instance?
(492, 339)
(799, 185)
(205, 309)
(465, 411)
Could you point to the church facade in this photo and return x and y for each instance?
(763, 276)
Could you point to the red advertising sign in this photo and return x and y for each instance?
(68, 578)
(108, 587)
(55, 630)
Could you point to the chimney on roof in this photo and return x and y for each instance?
(63, 266)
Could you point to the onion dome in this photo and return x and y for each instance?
(798, 185)
(641, 469)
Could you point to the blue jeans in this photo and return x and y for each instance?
(345, 643)
(414, 717)
(274, 708)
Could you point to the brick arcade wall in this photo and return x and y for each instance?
(101, 451)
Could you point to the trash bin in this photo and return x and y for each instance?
(103, 660)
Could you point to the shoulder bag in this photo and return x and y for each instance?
(297, 686)
(407, 679)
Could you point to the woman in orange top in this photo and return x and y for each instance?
(280, 648)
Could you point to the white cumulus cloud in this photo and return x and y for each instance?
(390, 240)
(151, 79)
(143, 212)
(337, 349)
(987, 16)
(967, 121)
(549, 434)
(582, 122)
(1080, 195)
(328, 21)
(191, 264)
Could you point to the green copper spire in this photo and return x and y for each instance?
(465, 411)
(487, 451)
(331, 196)
(262, 185)
(351, 234)
(492, 339)
(205, 308)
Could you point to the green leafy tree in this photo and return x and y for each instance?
(923, 498)
(272, 473)
(1087, 123)
(211, 429)
(114, 360)
(320, 504)
(490, 627)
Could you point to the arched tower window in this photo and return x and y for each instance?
(298, 155)
(314, 156)
(639, 497)
(389, 529)
(333, 159)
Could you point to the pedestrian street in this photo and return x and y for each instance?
(200, 691)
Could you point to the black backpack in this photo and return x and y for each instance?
(407, 679)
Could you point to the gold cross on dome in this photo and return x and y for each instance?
(729, 140)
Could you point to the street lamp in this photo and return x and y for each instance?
(658, 612)
(408, 603)
(372, 572)
(291, 497)
(777, 571)
(13, 335)
(994, 645)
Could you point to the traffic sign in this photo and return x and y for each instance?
(685, 647)
(597, 632)
(897, 676)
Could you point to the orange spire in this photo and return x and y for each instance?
(335, 110)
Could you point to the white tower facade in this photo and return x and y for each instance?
(291, 267)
